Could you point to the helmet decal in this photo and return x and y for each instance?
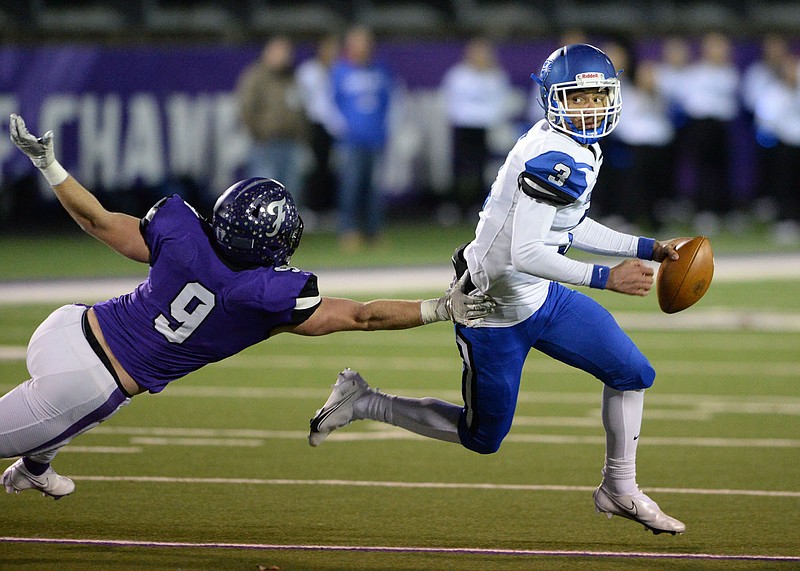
(275, 208)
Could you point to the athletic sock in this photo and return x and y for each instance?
(35, 468)
(622, 420)
(429, 417)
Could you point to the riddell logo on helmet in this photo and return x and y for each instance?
(589, 76)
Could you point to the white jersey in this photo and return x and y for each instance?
(535, 211)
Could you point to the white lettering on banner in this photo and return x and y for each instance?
(189, 134)
(231, 143)
(143, 152)
(145, 137)
(8, 105)
(57, 110)
(99, 132)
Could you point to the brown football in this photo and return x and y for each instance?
(682, 282)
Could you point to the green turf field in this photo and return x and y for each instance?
(220, 459)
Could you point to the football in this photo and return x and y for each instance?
(682, 282)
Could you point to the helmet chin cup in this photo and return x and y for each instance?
(586, 136)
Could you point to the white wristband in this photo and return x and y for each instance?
(428, 310)
(54, 173)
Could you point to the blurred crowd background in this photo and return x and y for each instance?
(375, 110)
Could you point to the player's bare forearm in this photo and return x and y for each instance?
(384, 314)
(337, 314)
(119, 231)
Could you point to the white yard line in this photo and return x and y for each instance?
(423, 485)
(399, 549)
(103, 449)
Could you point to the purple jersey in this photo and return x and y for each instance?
(193, 309)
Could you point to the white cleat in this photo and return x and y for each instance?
(16, 479)
(637, 507)
(338, 410)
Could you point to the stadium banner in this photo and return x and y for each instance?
(131, 116)
(127, 116)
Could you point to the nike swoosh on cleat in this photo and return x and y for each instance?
(320, 418)
(631, 510)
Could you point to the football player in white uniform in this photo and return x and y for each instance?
(536, 210)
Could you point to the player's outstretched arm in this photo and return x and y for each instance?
(336, 314)
(119, 231)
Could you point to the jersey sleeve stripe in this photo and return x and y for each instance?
(303, 303)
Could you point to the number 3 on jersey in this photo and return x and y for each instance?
(562, 174)
(187, 311)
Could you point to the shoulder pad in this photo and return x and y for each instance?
(151, 213)
(554, 177)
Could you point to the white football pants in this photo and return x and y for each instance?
(70, 391)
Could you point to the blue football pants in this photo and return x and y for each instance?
(570, 327)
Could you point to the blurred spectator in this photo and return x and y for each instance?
(362, 91)
(676, 54)
(675, 57)
(764, 72)
(759, 77)
(646, 129)
(475, 93)
(709, 96)
(271, 111)
(608, 200)
(778, 111)
(314, 81)
(566, 38)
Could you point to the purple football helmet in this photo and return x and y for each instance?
(256, 223)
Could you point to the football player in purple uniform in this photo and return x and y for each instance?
(212, 290)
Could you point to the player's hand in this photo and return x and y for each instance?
(465, 308)
(667, 249)
(632, 277)
(39, 150)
